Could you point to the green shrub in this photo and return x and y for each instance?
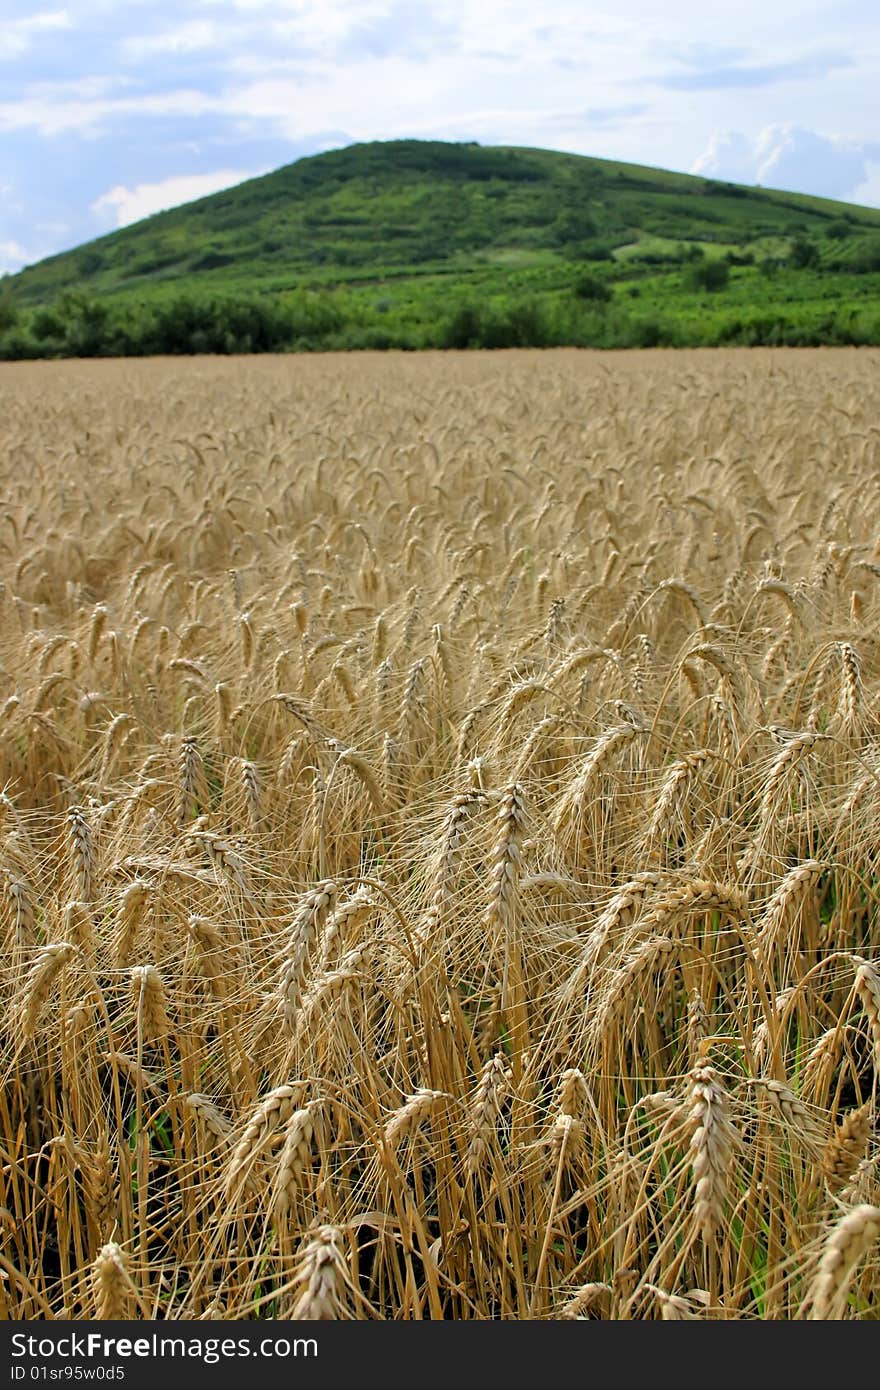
(212, 259)
(803, 254)
(590, 287)
(596, 250)
(463, 329)
(838, 230)
(708, 275)
(862, 258)
(8, 309)
(47, 325)
(17, 345)
(573, 225)
(89, 262)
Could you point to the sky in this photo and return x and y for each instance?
(111, 110)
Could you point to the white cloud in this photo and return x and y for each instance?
(9, 198)
(18, 35)
(364, 96)
(868, 193)
(788, 156)
(323, 26)
(126, 205)
(791, 157)
(54, 110)
(192, 37)
(299, 27)
(730, 155)
(320, 15)
(13, 256)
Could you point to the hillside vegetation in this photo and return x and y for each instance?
(439, 855)
(419, 243)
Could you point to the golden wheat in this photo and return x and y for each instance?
(439, 856)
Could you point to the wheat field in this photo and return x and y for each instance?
(440, 844)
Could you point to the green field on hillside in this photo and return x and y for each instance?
(427, 244)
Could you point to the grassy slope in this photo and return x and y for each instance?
(400, 229)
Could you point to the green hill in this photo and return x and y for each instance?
(419, 243)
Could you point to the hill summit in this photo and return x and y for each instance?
(385, 241)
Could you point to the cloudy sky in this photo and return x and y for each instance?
(113, 109)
